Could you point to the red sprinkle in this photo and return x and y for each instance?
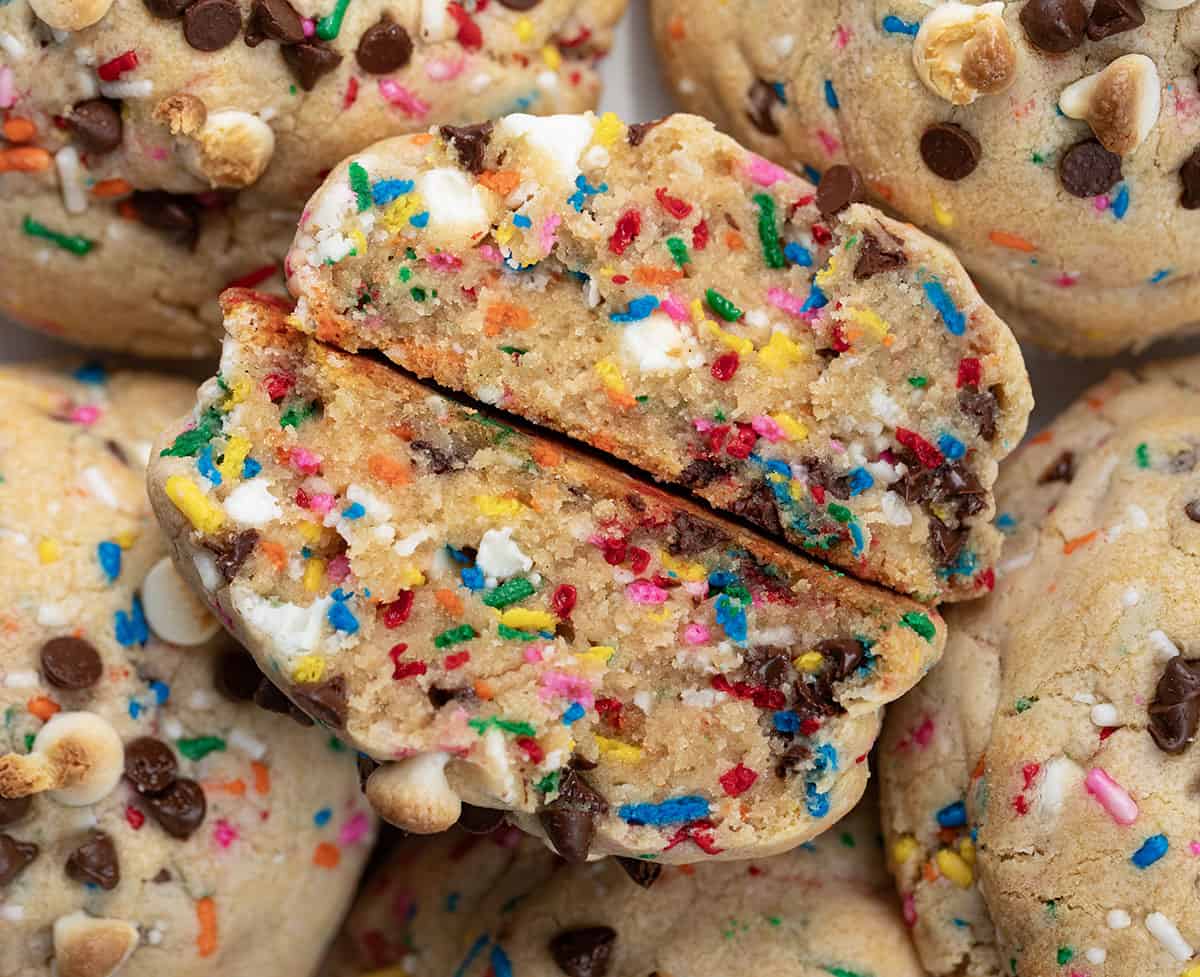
(679, 209)
(639, 559)
(809, 726)
(610, 711)
(817, 492)
(699, 832)
(629, 226)
(614, 551)
(1107, 731)
(742, 443)
(135, 817)
(396, 612)
(725, 366)
(986, 580)
(112, 70)
(256, 277)
(563, 600)
(821, 234)
(737, 781)
(700, 236)
(529, 746)
(970, 371)
(1020, 805)
(580, 39)
(839, 342)
(351, 95)
(1029, 772)
(409, 670)
(469, 34)
(456, 660)
(927, 454)
(278, 386)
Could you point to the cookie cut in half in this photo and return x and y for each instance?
(497, 619)
(790, 355)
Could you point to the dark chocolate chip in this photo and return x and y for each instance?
(479, 820)
(470, 144)
(1192, 510)
(15, 857)
(71, 663)
(1189, 176)
(1111, 17)
(951, 482)
(95, 862)
(440, 461)
(1087, 169)
(1061, 469)
(310, 61)
(267, 696)
(823, 473)
(439, 696)
(1054, 26)
(519, 4)
(209, 25)
(236, 675)
(383, 48)
(570, 819)
(642, 872)
(366, 767)
(763, 97)
(584, 952)
(946, 543)
(168, 9)
(981, 405)
(874, 258)
(637, 132)
(791, 758)
(177, 215)
(96, 125)
(840, 187)
(691, 535)
(150, 765)
(759, 507)
(12, 809)
(950, 151)
(701, 472)
(1175, 711)
(233, 551)
(325, 702)
(843, 657)
(180, 809)
(274, 20)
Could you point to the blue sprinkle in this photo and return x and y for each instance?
(940, 299)
(1153, 848)
(419, 220)
(472, 578)
(813, 174)
(797, 254)
(354, 511)
(93, 373)
(501, 966)
(340, 595)
(1120, 206)
(816, 300)
(639, 309)
(860, 481)
(321, 818)
(574, 713)
(732, 617)
(786, 722)
(135, 708)
(951, 447)
(677, 810)
(452, 902)
(385, 191)
(1006, 521)
(520, 220)
(162, 692)
(131, 628)
(250, 468)
(894, 25)
(826, 758)
(960, 923)
(341, 618)
(458, 556)
(953, 815)
(779, 467)
(583, 190)
(476, 948)
(831, 98)
(720, 579)
(816, 802)
(1159, 275)
(856, 534)
(780, 92)
(963, 566)
(204, 464)
(109, 554)
(306, 552)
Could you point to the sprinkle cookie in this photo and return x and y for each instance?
(1055, 144)
(1038, 787)
(153, 820)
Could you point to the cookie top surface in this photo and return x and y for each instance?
(150, 819)
(1037, 787)
(1052, 143)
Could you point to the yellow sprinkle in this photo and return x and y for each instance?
(691, 572)
(239, 390)
(410, 576)
(792, 429)
(597, 656)
(609, 129)
(967, 850)
(797, 490)
(310, 532)
(739, 344)
(660, 616)
(314, 573)
(236, 452)
(610, 376)
(524, 30)
(870, 321)
(523, 619)
(810, 661)
(49, 551)
(616, 750)
(125, 540)
(940, 213)
(826, 274)
(952, 865)
(205, 516)
(504, 233)
(310, 668)
(552, 57)
(497, 506)
(903, 849)
(395, 216)
(360, 242)
(780, 353)
(1192, 971)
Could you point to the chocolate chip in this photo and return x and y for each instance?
(440, 461)
(236, 675)
(758, 506)
(479, 820)
(701, 472)
(71, 663)
(584, 952)
(840, 187)
(950, 151)
(12, 809)
(96, 125)
(209, 25)
(1054, 26)
(325, 702)
(233, 551)
(642, 872)
(268, 697)
(981, 405)
(470, 144)
(822, 473)
(570, 819)
(366, 766)
(95, 862)
(1175, 711)
(310, 61)
(691, 535)
(1087, 169)
(946, 543)
(177, 215)
(843, 657)
(168, 9)
(763, 97)
(1189, 176)
(636, 134)
(180, 809)
(1111, 17)
(274, 20)
(15, 857)
(1191, 510)
(519, 4)
(1182, 462)
(150, 765)
(383, 48)
(1062, 469)
(951, 482)
(874, 258)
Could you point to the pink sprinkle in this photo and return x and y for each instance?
(489, 252)
(673, 306)
(703, 425)
(159, 154)
(1111, 796)
(8, 90)
(573, 687)
(1066, 281)
(309, 25)
(1101, 203)
(305, 461)
(444, 261)
(645, 592)
(923, 734)
(84, 415)
(781, 298)
(696, 588)
(837, 446)
(338, 568)
(407, 101)
(1194, 848)
(696, 634)
(225, 833)
(829, 142)
(321, 503)
(354, 830)
(910, 909)
(444, 69)
(767, 427)
(533, 654)
(765, 173)
(548, 235)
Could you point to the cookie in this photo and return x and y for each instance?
(460, 904)
(787, 354)
(153, 820)
(502, 620)
(154, 152)
(1037, 788)
(1054, 144)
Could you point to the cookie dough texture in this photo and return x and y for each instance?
(149, 824)
(461, 904)
(1037, 788)
(500, 620)
(952, 113)
(140, 173)
(661, 293)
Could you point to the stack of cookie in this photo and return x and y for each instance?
(594, 488)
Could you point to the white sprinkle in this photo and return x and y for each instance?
(1118, 919)
(1163, 646)
(1055, 783)
(172, 727)
(142, 88)
(11, 913)
(1105, 714)
(701, 698)
(252, 503)
(1131, 597)
(656, 344)
(408, 545)
(1137, 516)
(254, 748)
(499, 556)
(1096, 955)
(783, 44)
(376, 508)
(644, 700)
(479, 83)
(201, 700)
(1086, 698)
(12, 47)
(52, 615)
(66, 161)
(687, 86)
(490, 394)
(1016, 563)
(1163, 930)
(895, 510)
(24, 679)
(96, 484)
(547, 80)
(885, 408)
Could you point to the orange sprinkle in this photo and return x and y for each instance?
(946, 835)
(929, 872)
(1071, 545)
(43, 707)
(449, 602)
(502, 182)
(676, 29)
(125, 209)
(980, 766)
(687, 869)
(405, 432)
(262, 777)
(24, 159)
(1013, 241)
(235, 787)
(602, 442)
(882, 190)
(274, 552)
(388, 469)
(733, 240)
(106, 189)
(504, 315)
(1095, 403)
(546, 454)
(422, 139)
(17, 129)
(649, 275)
(1044, 438)
(483, 690)
(206, 917)
(327, 855)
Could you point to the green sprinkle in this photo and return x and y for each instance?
(417, 293)
(847, 839)
(509, 592)
(1024, 704)
(1065, 955)
(336, 745)
(642, 398)
(481, 726)
(410, 254)
(722, 306)
(68, 242)
(513, 350)
(405, 274)
(841, 972)
(840, 512)
(548, 784)
(719, 417)
(918, 382)
(1052, 909)
(360, 183)
(29, 738)
(292, 89)
(189, 443)
(295, 416)
(916, 621)
(774, 920)
(1142, 453)
(678, 251)
(503, 430)
(513, 634)
(200, 746)
(454, 636)
(328, 26)
(767, 234)
(1037, 157)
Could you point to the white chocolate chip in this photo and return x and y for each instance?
(963, 51)
(1120, 103)
(77, 756)
(70, 15)
(86, 946)
(1118, 919)
(231, 149)
(1104, 714)
(415, 795)
(172, 610)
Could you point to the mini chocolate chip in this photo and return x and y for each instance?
(874, 258)
(701, 472)
(267, 696)
(15, 857)
(566, 630)
(96, 125)
(162, 877)
(1054, 26)
(1062, 469)
(470, 144)
(570, 819)
(1087, 169)
(950, 151)
(479, 820)
(310, 61)
(209, 25)
(366, 767)
(691, 535)
(1175, 711)
(637, 132)
(176, 214)
(1189, 176)
(180, 809)
(150, 765)
(325, 702)
(383, 48)
(642, 872)
(168, 9)
(236, 675)
(840, 187)
(12, 809)
(233, 551)
(1111, 17)
(439, 696)
(584, 952)
(1192, 510)
(71, 663)
(981, 405)
(945, 542)
(519, 4)
(763, 97)
(95, 862)
(274, 20)
(759, 507)
(843, 657)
